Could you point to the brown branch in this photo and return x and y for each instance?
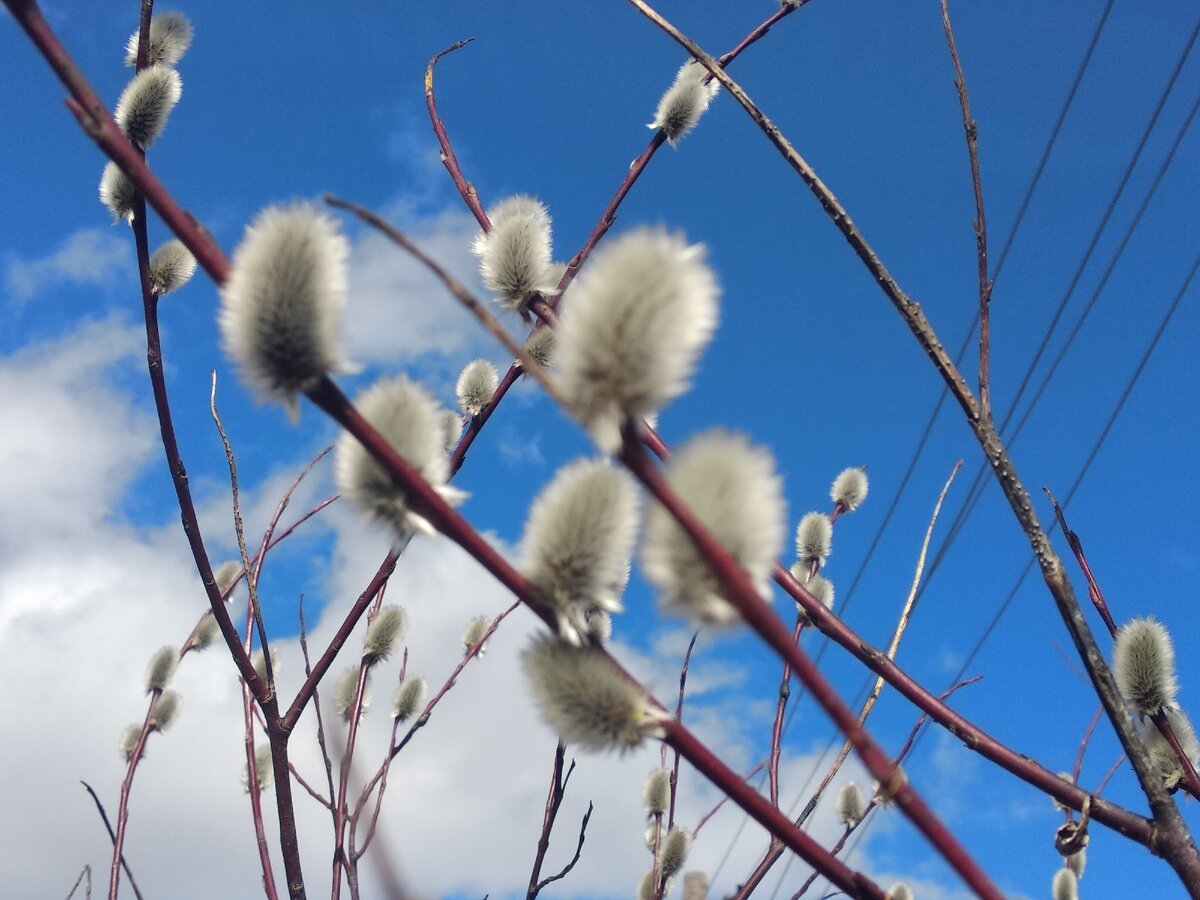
(84, 873)
(574, 859)
(981, 247)
(1171, 838)
(683, 675)
(1094, 592)
(316, 707)
(137, 892)
(554, 798)
(449, 160)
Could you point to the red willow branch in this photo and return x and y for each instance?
(1170, 839)
(981, 247)
(449, 160)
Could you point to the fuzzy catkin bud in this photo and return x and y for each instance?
(514, 257)
(345, 692)
(1077, 862)
(383, 634)
(473, 634)
(165, 710)
(260, 665)
(632, 328)
(226, 574)
(1162, 754)
(645, 888)
(475, 386)
(281, 305)
(1144, 665)
(130, 736)
(900, 891)
(452, 425)
(578, 542)
(410, 696)
(118, 193)
(695, 886)
(206, 631)
(599, 626)
(160, 668)
(415, 426)
(849, 489)
(171, 267)
(586, 699)
(656, 792)
(732, 488)
(1065, 885)
(684, 102)
(849, 804)
(541, 347)
(675, 848)
(147, 100)
(263, 769)
(814, 538)
(170, 36)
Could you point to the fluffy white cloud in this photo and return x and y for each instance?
(85, 600)
(91, 256)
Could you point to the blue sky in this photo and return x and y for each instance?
(809, 359)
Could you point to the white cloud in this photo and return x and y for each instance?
(91, 256)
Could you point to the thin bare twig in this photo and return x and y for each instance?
(574, 859)
(554, 798)
(84, 873)
(449, 160)
(137, 892)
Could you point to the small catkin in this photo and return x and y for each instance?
(632, 329)
(206, 631)
(226, 574)
(514, 257)
(345, 693)
(473, 634)
(170, 36)
(849, 489)
(1162, 754)
(586, 699)
(165, 710)
(146, 102)
(118, 193)
(263, 769)
(1065, 885)
(1069, 779)
(732, 487)
(541, 347)
(1144, 665)
(674, 853)
(414, 424)
(260, 665)
(171, 267)
(281, 305)
(900, 891)
(383, 634)
(850, 805)
(410, 697)
(130, 736)
(645, 888)
(578, 542)
(160, 668)
(820, 587)
(1077, 862)
(684, 102)
(475, 386)
(656, 792)
(814, 538)
(599, 626)
(695, 886)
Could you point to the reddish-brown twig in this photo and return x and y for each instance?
(137, 892)
(449, 160)
(981, 246)
(554, 798)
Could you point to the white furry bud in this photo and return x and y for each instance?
(171, 267)
(850, 804)
(656, 792)
(695, 886)
(578, 541)
(674, 853)
(263, 769)
(1077, 862)
(410, 696)
(849, 489)
(684, 102)
(259, 665)
(170, 37)
(384, 633)
(130, 735)
(731, 486)
(514, 257)
(345, 692)
(814, 538)
(281, 305)
(165, 710)
(632, 328)
(415, 425)
(1065, 885)
(1163, 755)
(541, 347)
(473, 634)
(206, 631)
(146, 102)
(475, 386)
(160, 668)
(118, 193)
(1144, 665)
(586, 699)
(900, 891)
(820, 587)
